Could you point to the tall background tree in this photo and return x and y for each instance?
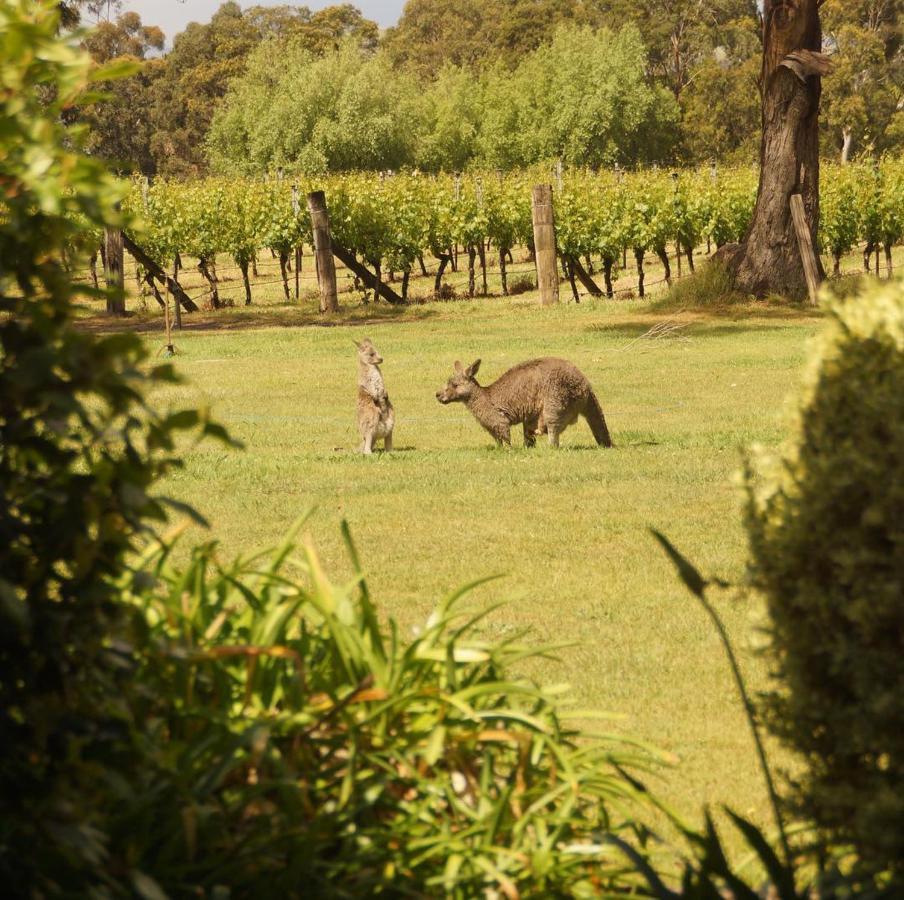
(863, 98)
(120, 130)
(471, 63)
(206, 58)
(769, 259)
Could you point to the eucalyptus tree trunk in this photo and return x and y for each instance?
(769, 259)
(847, 135)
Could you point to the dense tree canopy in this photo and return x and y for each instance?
(583, 97)
(863, 98)
(119, 127)
(494, 81)
(347, 111)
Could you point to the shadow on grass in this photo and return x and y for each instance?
(250, 317)
(702, 326)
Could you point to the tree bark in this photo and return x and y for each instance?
(444, 260)
(503, 272)
(608, 263)
(663, 254)
(284, 273)
(113, 272)
(244, 267)
(769, 260)
(204, 267)
(568, 265)
(639, 254)
(406, 278)
(847, 135)
(93, 266)
(482, 254)
(149, 280)
(585, 278)
(544, 234)
(160, 274)
(323, 252)
(348, 259)
(689, 253)
(868, 258)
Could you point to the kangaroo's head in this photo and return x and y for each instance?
(367, 353)
(461, 385)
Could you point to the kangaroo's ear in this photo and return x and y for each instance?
(473, 369)
(458, 367)
(356, 343)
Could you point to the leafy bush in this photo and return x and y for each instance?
(294, 748)
(79, 454)
(799, 869)
(827, 552)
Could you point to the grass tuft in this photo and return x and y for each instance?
(710, 288)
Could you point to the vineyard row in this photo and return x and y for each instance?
(393, 223)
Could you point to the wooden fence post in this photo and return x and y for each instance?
(323, 252)
(545, 244)
(805, 242)
(113, 272)
(296, 208)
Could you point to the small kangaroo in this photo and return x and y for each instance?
(376, 417)
(545, 395)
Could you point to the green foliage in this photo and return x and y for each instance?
(839, 222)
(80, 452)
(205, 60)
(393, 219)
(827, 553)
(319, 753)
(861, 98)
(348, 109)
(449, 121)
(118, 126)
(583, 97)
(721, 112)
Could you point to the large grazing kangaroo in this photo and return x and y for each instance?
(545, 395)
(376, 417)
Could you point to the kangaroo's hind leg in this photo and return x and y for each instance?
(554, 421)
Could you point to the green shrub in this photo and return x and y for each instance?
(827, 552)
(79, 455)
(296, 748)
(709, 286)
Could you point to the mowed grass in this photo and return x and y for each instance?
(568, 530)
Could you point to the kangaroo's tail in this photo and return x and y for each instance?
(593, 412)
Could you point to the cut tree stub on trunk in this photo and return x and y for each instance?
(769, 260)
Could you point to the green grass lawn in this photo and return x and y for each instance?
(568, 529)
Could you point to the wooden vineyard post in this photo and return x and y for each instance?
(323, 252)
(169, 350)
(296, 208)
(113, 272)
(805, 242)
(177, 306)
(545, 244)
